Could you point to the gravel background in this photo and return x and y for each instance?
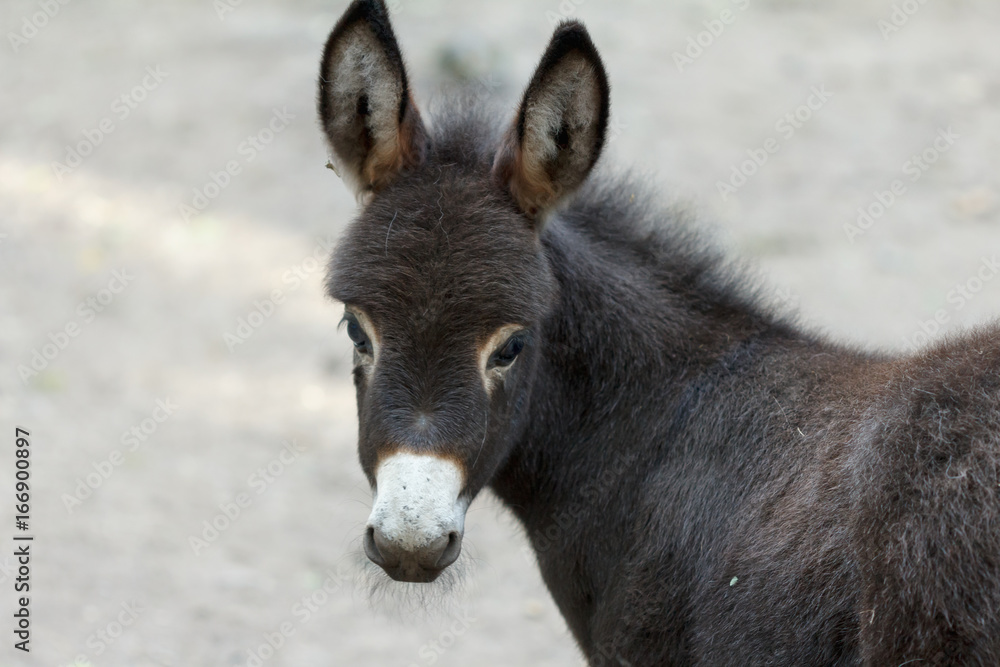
(161, 338)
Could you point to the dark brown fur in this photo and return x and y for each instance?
(702, 480)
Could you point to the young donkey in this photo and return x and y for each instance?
(702, 482)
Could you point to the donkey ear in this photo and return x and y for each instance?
(365, 106)
(559, 130)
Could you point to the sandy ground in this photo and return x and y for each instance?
(122, 552)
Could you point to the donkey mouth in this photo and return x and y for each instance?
(417, 520)
(416, 575)
(422, 565)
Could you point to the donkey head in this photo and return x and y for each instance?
(443, 275)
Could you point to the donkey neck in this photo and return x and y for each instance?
(636, 318)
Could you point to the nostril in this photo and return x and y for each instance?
(451, 551)
(371, 548)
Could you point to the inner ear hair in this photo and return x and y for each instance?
(560, 127)
(365, 107)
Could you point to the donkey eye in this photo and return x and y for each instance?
(506, 355)
(358, 337)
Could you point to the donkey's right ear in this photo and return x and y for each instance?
(365, 107)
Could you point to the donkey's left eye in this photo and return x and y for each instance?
(506, 355)
(358, 337)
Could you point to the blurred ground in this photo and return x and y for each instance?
(183, 285)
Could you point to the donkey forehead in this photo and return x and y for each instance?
(447, 260)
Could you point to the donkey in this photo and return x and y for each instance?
(702, 480)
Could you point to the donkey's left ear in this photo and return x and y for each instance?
(365, 106)
(559, 130)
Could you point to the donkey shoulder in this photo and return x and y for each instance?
(927, 489)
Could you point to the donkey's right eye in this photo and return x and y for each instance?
(358, 337)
